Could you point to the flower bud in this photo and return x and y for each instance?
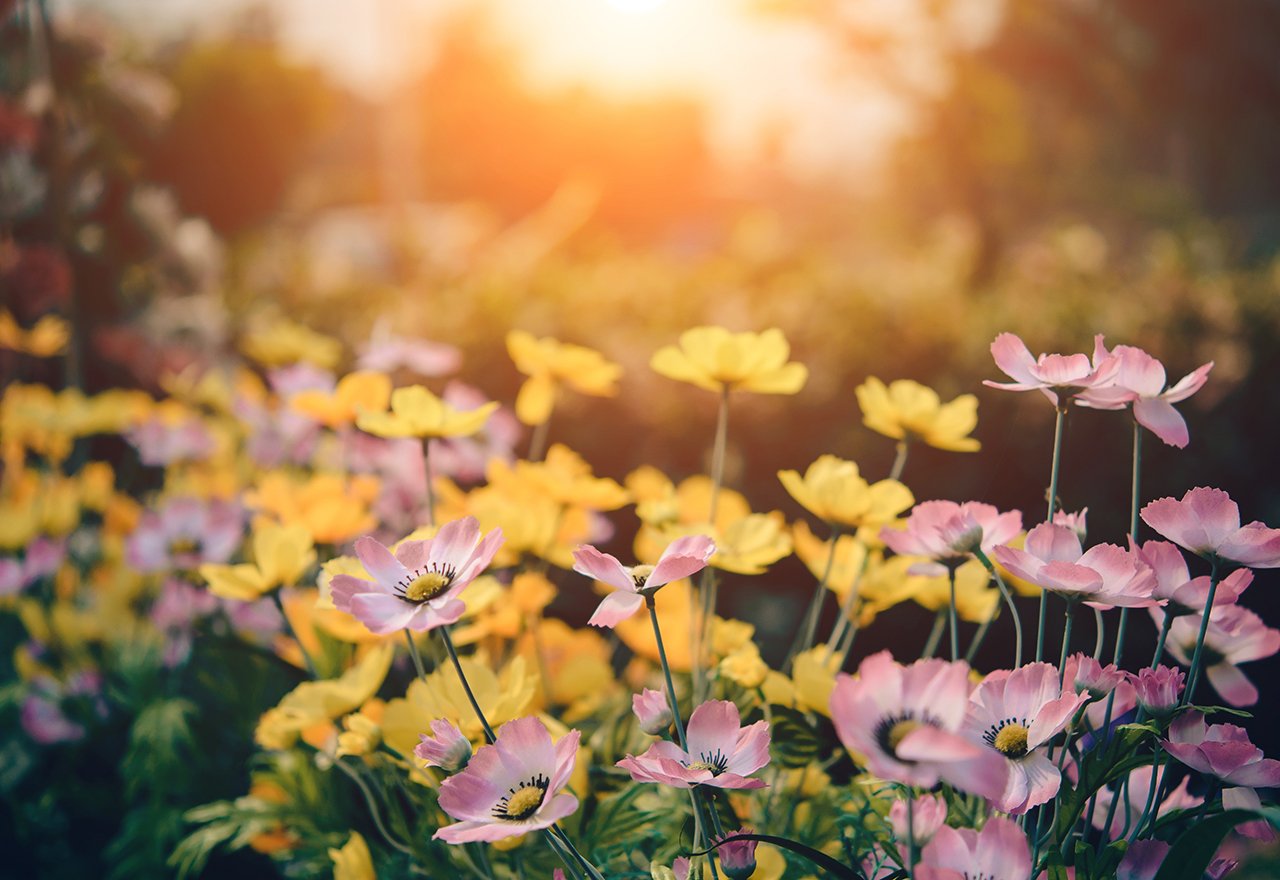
(448, 749)
(653, 711)
(928, 814)
(738, 857)
(1095, 678)
(1158, 689)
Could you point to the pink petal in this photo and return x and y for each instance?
(683, 557)
(1232, 685)
(932, 744)
(566, 754)
(1253, 545)
(1053, 543)
(1160, 418)
(713, 727)
(1013, 357)
(481, 556)
(1139, 372)
(1063, 369)
(452, 545)
(378, 561)
(471, 794)
(436, 613)
(382, 613)
(615, 608)
(603, 567)
(752, 750)
(1189, 384)
(1217, 514)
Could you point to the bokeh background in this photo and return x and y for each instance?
(891, 182)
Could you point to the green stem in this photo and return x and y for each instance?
(804, 637)
(1135, 521)
(718, 453)
(899, 460)
(417, 657)
(453, 655)
(955, 620)
(845, 619)
(666, 672)
(1066, 643)
(288, 627)
(980, 636)
(1152, 808)
(1053, 500)
(1193, 676)
(431, 489)
(935, 634)
(1164, 636)
(1008, 601)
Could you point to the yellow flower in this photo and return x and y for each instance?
(358, 392)
(362, 731)
(315, 702)
(728, 636)
(332, 510)
(907, 409)
(502, 697)
(834, 491)
(353, 861)
(549, 363)
(564, 476)
(975, 601)
(416, 412)
(716, 359)
(745, 667)
(814, 674)
(282, 343)
(575, 666)
(674, 613)
(282, 555)
(47, 337)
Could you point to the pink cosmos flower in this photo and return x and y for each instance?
(947, 532)
(1078, 522)
(446, 748)
(417, 587)
(1050, 374)
(1017, 713)
(1235, 635)
(386, 354)
(465, 458)
(652, 711)
(1140, 380)
(511, 787)
(160, 442)
(907, 722)
(1222, 751)
(722, 753)
(1090, 676)
(998, 852)
(1134, 803)
(1207, 522)
(928, 814)
(1104, 576)
(43, 557)
(683, 557)
(1158, 689)
(1185, 594)
(184, 534)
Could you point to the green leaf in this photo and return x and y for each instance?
(1192, 852)
(1220, 710)
(1053, 865)
(794, 742)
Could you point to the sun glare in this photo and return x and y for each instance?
(636, 6)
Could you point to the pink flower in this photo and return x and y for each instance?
(1222, 751)
(947, 532)
(43, 557)
(1185, 594)
(447, 748)
(1158, 689)
(1016, 713)
(417, 587)
(1140, 380)
(906, 721)
(1235, 635)
(998, 852)
(653, 711)
(738, 857)
(722, 753)
(1051, 374)
(1104, 576)
(184, 534)
(386, 354)
(1245, 798)
(1089, 675)
(1142, 860)
(1207, 522)
(160, 442)
(511, 787)
(1134, 804)
(683, 557)
(928, 814)
(1078, 522)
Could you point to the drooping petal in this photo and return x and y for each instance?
(603, 567)
(1160, 418)
(615, 608)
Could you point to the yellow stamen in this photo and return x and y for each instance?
(1012, 740)
(899, 732)
(640, 574)
(426, 586)
(525, 802)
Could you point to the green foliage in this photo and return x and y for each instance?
(1108, 762)
(1194, 849)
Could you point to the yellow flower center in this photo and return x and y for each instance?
(899, 732)
(521, 803)
(640, 574)
(1011, 740)
(427, 586)
(183, 546)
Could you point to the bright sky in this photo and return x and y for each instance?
(756, 73)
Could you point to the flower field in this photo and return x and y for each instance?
(539, 551)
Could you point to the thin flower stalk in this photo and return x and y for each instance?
(1053, 500)
(1008, 601)
(1193, 677)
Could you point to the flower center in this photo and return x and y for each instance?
(522, 801)
(893, 729)
(640, 574)
(714, 763)
(898, 732)
(1008, 737)
(184, 546)
(426, 584)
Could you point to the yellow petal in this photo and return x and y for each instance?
(536, 399)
